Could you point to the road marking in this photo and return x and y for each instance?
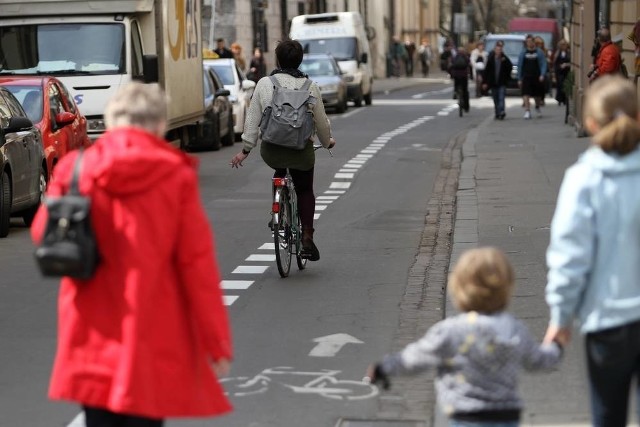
(334, 192)
(358, 161)
(348, 170)
(353, 165)
(268, 246)
(228, 300)
(261, 257)
(349, 114)
(316, 216)
(250, 269)
(364, 156)
(443, 113)
(343, 176)
(78, 421)
(369, 151)
(327, 197)
(343, 185)
(321, 207)
(236, 284)
(330, 345)
(409, 102)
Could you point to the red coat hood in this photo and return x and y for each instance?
(130, 160)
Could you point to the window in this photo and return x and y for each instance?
(5, 114)
(71, 106)
(225, 72)
(207, 85)
(55, 104)
(137, 69)
(30, 97)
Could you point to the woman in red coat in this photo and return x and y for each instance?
(143, 339)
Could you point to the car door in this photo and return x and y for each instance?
(17, 152)
(78, 129)
(62, 136)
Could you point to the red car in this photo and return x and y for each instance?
(53, 111)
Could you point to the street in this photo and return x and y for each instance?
(302, 344)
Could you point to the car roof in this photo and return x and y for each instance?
(24, 80)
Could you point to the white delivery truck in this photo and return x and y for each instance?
(342, 35)
(95, 47)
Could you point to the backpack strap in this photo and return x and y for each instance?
(306, 85)
(74, 187)
(275, 82)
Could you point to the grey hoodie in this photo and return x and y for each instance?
(478, 358)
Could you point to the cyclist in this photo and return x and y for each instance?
(299, 162)
(460, 70)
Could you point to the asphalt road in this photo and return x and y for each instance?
(368, 232)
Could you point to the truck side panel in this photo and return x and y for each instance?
(25, 8)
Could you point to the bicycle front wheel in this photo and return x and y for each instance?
(282, 234)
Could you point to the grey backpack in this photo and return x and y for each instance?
(288, 120)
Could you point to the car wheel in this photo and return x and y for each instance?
(340, 107)
(358, 98)
(5, 204)
(214, 137)
(30, 214)
(228, 139)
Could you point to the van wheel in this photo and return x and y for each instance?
(358, 99)
(30, 214)
(5, 204)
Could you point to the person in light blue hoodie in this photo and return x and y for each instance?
(594, 253)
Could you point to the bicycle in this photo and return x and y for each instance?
(285, 223)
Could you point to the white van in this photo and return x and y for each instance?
(343, 36)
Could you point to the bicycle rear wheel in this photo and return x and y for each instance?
(282, 235)
(302, 262)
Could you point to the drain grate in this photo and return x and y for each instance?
(380, 423)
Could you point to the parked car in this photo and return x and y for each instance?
(323, 69)
(23, 169)
(53, 111)
(513, 45)
(220, 109)
(237, 83)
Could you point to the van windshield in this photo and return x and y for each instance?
(62, 49)
(547, 37)
(342, 49)
(512, 48)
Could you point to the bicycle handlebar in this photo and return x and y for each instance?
(317, 147)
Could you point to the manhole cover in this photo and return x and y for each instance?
(381, 423)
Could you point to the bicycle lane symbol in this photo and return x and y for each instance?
(323, 383)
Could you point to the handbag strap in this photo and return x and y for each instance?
(74, 187)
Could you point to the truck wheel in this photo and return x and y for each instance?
(228, 139)
(5, 204)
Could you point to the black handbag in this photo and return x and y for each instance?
(69, 245)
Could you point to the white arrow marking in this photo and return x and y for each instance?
(330, 345)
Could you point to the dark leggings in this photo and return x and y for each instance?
(303, 182)
(96, 417)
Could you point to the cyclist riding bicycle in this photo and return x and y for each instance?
(460, 70)
(300, 163)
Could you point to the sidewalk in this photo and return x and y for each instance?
(387, 85)
(510, 177)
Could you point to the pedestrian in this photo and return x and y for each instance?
(546, 84)
(477, 354)
(478, 62)
(594, 250)
(397, 54)
(532, 67)
(425, 54)
(257, 66)
(460, 70)
(300, 163)
(410, 48)
(221, 50)
(146, 337)
(497, 75)
(236, 50)
(561, 67)
(608, 58)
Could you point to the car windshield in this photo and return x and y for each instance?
(342, 49)
(63, 49)
(225, 72)
(318, 67)
(545, 36)
(30, 97)
(511, 48)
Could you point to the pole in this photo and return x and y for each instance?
(212, 24)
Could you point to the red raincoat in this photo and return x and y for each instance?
(138, 338)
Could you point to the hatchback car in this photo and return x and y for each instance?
(53, 111)
(219, 110)
(324, 70)
(513, 45)
(23, 169)
(239, 86)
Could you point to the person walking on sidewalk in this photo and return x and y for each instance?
(410, 48)
(425, 54)
(595, 247)
(146, 337)
(460, 70)
(497, 74)
(532, 67)
(561, 67)
(608, 59)
(479, 63)
(479, 353)
(300, 163)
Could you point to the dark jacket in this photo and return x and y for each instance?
(459, 72)
(490, 71)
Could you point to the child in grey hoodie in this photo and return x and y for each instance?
(479, 353)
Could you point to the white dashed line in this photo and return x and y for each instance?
(321, 207)
(369, 151)
(267, 246)
(229, 299)
(327, 198)
(364, 156)
(236, 284)
(343, 185)
(348, 170)
(334, 192)
(250, 269)
(316, 216)
(261, 257)
(344, 176)
(353, 165)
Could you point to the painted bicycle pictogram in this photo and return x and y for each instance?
(323, 383)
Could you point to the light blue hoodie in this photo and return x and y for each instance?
(594, 254)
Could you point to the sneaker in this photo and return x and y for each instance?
(527, 115)
(502, 115)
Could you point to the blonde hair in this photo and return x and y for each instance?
(139, 105)
(482, 280)
(611, 102)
